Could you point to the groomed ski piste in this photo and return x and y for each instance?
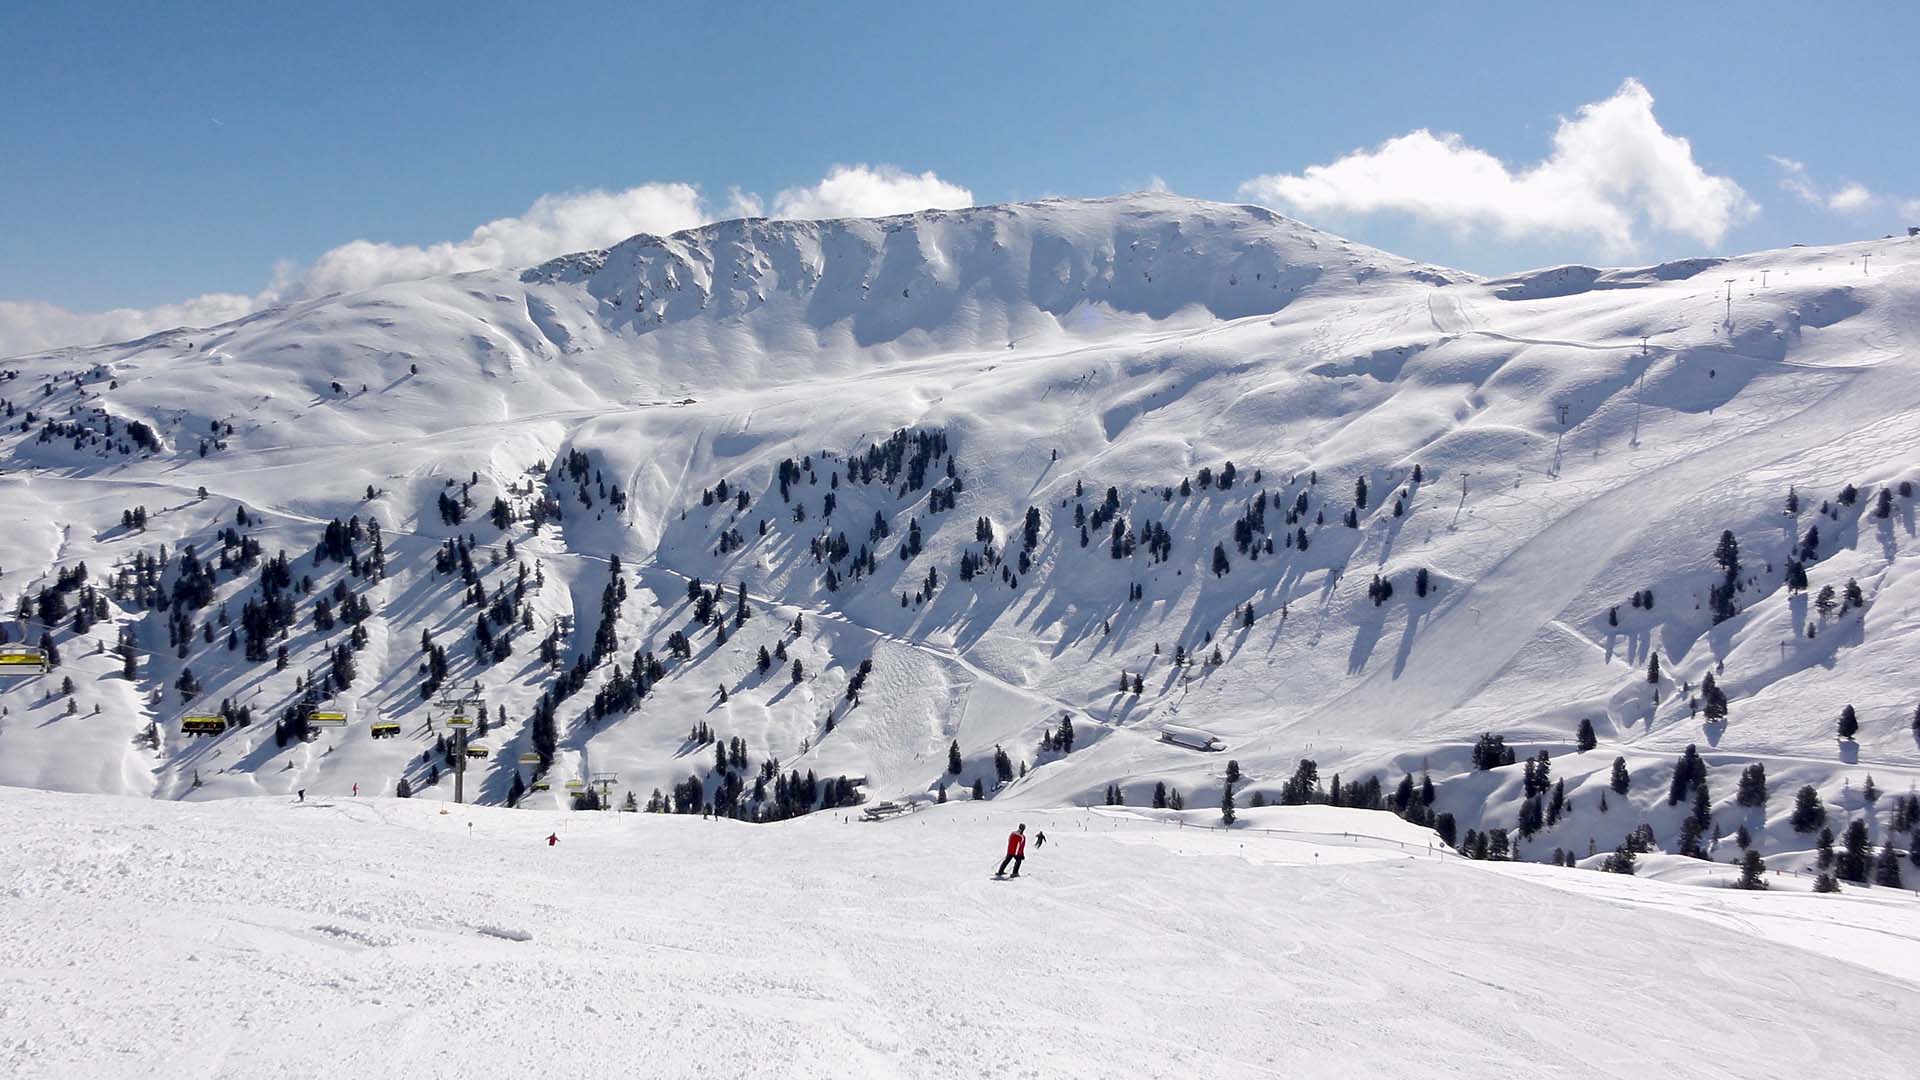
(261, 938)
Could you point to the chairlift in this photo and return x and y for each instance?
(459, 720)
(477, 751)
(541, 785)
(530, 758)
(329, 718)
(210, 724)
(20, 660)
(385, 729)
(576, 785)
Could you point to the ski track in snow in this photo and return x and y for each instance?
(265, 939)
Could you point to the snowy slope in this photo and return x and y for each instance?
(373, 937)
(1057, 347)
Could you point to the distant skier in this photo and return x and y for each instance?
(356, 791)
(1040, 840)
(303, 794)
(1016, 852)
(552, 839)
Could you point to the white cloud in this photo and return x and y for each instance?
(1847, 198)
(869, 191)
(1794, 180)
(744, 204)
(554, 225)
(1612, 169)
(33, 325)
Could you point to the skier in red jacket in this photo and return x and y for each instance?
(1016, 852)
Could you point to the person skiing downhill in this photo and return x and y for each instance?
(552, 839)
(1016, 852)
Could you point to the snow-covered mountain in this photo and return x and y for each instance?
(1202, 388)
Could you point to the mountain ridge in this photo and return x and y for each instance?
(1576, 441)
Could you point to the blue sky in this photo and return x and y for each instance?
(150, 154)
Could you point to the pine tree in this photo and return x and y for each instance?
(1497, 844)
(1852, 863)
(1584, 739)
(1227, 813)
(1159, 795)
(1491, 752)
(1808, 812)
(1713, 699)
(1849, 724)
(1622, 780)
(953, 757)
(1886, 869)
(1686, 772)
(1622, 861)
(1532, 819)
(1690, 839)
(1753, 786)
(1751, 871)
(1653, 667)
